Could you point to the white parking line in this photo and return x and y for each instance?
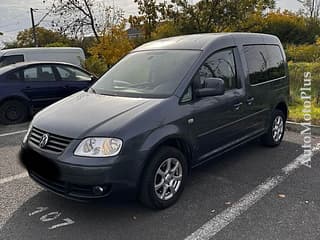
(12, 178)
(220, 221)
(13, 133)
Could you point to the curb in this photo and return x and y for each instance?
(297, 127)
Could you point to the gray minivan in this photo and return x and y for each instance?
(165, 108)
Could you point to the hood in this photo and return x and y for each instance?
(77, 115)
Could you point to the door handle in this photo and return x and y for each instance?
(237, 106)
(250, 100)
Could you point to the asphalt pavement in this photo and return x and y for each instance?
(253, 192)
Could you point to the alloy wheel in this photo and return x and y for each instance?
(168, 178)
(277, 129)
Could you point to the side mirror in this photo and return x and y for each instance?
(93, 78)
(213, 87)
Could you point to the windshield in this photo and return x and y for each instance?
(147, 74)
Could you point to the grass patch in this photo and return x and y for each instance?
(296, 114)
(296, 73)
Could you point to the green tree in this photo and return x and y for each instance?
(288, 26)
(149, 16)
(44, 36)
(212, 16)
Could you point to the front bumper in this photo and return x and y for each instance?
(80, 182)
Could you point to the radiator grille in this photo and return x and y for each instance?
(55, 144)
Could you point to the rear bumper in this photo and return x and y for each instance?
(75, 181)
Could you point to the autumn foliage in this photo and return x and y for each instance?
(113, 45)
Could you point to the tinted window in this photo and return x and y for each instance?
(39, 73)
(72, 74)
(220, 65)
(147, 73)
(265, 62)
(6, 60)
(276, 65)
(257, 63)
(13, 76)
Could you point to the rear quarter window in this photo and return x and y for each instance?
(275, 61)
(6, 60)
(13, 76)
(265, 62)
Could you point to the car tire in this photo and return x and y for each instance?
(13, 111)
(275, 133)
(168, 167)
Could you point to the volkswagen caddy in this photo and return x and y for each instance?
(165, 108)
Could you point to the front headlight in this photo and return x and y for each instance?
(25, 139)
(99, 147)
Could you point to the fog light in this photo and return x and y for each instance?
(98, 190)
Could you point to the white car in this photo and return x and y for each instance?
(58, 54)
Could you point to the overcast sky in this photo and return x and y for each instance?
(15, 14)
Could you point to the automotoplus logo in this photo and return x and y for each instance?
(306, 97)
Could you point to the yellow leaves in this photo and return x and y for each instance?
(303, 52)
(114, 44)
(164, 29)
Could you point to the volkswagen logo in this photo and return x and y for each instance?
(44, 140)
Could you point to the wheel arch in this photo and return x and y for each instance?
(18, 98)
(282, 106)
(175, 141)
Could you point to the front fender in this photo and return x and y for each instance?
(160, 135)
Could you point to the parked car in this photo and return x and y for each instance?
(27, 87)
(167, 107)
(58, 54)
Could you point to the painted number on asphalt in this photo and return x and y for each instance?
(52, 216)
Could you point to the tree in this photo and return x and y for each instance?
(204, 16)
(165, 29)
(1, 33)
(12, 44)
(83, 17)
(289, 27)
(149, 16)
(312, 8)
(112, 46)
(45, 37)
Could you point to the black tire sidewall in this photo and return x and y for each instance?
(21, 108)
(150, 197)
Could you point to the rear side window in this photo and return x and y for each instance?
(6, 60)
(14, 76)
(276, 65)
(265, 62)
(39, 74)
